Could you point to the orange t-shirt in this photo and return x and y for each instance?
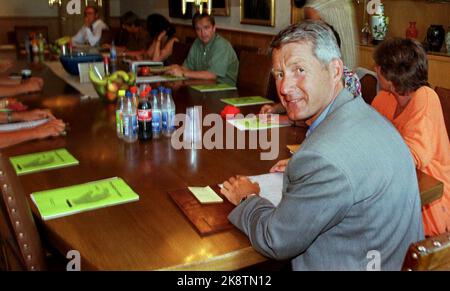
(422, 126)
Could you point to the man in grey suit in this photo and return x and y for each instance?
(350, 195)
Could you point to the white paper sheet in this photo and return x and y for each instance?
(21, 125)
(271, 186)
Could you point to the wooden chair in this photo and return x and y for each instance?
(369, 84)
(254, 73)
(444, 98)
(20, 244)
(20, 32)
(431, 254)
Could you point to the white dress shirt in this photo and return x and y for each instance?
(91, 36)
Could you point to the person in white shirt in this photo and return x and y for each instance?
(91, 32)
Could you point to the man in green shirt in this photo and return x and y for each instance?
(211, 57)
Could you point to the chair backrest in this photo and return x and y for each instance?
(444, 98)
(19, 238)
(241, 48)
(369, 84)
(254, 73)
(179, 53)
(20, 32)
(431, 254)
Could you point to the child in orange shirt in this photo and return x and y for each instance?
(415, 110)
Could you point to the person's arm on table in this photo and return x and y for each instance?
(54, 127)
(33, 84)
(181, 71)
(281, 232)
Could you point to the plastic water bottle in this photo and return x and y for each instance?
(156, 115)
(168, 114)
(130, 122)
(134, 98)
(119, 113)
(113, 58)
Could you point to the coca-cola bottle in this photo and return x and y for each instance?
(144, 113)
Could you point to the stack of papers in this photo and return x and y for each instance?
(79, 198)
(31, 163)
(246, 101)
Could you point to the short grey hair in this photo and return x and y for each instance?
(315, 32)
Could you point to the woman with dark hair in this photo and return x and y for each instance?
(414, 109)
(162, 35)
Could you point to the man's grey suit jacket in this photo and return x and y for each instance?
(350, 197)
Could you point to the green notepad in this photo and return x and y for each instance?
(205, 195)
(246, 101)
(79, 198)
(42, 161)
(213, 88)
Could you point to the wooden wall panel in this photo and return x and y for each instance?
(240, 38)
(7, 25)
(438, 66)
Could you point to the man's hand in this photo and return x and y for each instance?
(161, 35)
(34, 84)
(280, 166)
(239, 187)
(267, 109)
(54, 127)
(32, 115)
(275, 119)
(175, 70)
(275, 108)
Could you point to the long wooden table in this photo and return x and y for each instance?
(151, 234)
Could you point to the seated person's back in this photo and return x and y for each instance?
(415, 110)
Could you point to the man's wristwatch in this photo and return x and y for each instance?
(245, 198)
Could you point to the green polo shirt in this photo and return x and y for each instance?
(217, 57)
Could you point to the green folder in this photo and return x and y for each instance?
(246, 101)
(213, 88)
(253, 123)
(84, 197)
(36, 162)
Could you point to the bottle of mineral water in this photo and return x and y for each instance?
(130, 122)
(119, 113)
(168, 113)
(156, 115)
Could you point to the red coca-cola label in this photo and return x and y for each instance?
(144, 115)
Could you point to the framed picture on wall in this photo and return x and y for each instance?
(258, 12)
(175, 10)
(221, 7)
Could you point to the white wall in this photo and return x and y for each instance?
(11, 8)
(40, 8)
(145, 7)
